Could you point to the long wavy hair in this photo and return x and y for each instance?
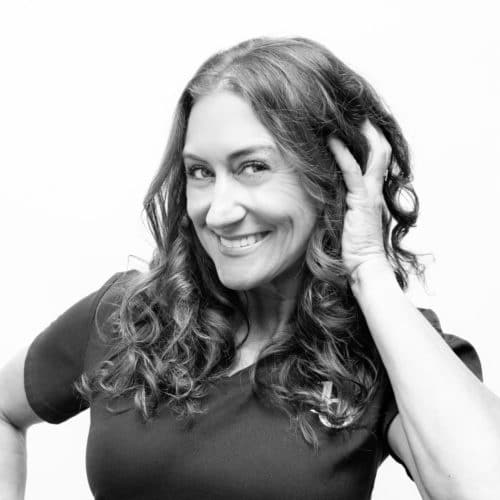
(172, 331)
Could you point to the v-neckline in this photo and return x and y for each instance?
(240, 370)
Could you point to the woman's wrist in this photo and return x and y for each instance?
(375, 271)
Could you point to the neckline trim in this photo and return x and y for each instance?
(240, 371)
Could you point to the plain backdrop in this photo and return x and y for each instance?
(86, 99)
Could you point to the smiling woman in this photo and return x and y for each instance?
(269, 351)
(234, 201)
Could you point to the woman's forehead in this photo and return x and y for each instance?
(225, 116)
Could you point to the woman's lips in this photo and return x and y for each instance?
(242, 250)
(247, 240)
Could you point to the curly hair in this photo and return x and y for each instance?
(172, 333)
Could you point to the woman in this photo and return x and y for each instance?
(270, 350)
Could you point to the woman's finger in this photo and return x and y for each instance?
(351, 171)
(379, 156)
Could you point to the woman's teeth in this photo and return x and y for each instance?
(243, 242)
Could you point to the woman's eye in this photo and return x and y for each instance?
(194, 170)
(254, 167)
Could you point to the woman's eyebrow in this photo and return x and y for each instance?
(236, 154)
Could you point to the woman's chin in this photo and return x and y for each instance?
(238, 285)
(238, 282)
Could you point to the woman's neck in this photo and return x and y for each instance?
(269, 308)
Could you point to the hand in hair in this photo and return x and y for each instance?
(362, 237)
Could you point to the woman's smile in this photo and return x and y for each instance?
(241, 246)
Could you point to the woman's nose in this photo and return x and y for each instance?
(226, 205)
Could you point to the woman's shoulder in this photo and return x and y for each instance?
(115, 286)
(106, 303)
(119, 281)
(109, 296)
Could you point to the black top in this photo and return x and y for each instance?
(238, 449)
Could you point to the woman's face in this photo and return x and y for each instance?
(239, 185)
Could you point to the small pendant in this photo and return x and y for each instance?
(326, 396)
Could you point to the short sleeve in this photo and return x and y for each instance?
(461, 347)
(56, 357)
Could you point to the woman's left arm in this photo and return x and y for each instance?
(451, 420)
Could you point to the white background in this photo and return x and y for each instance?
(86, 97)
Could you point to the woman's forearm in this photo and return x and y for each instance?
(451, 419)
(12, 462)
